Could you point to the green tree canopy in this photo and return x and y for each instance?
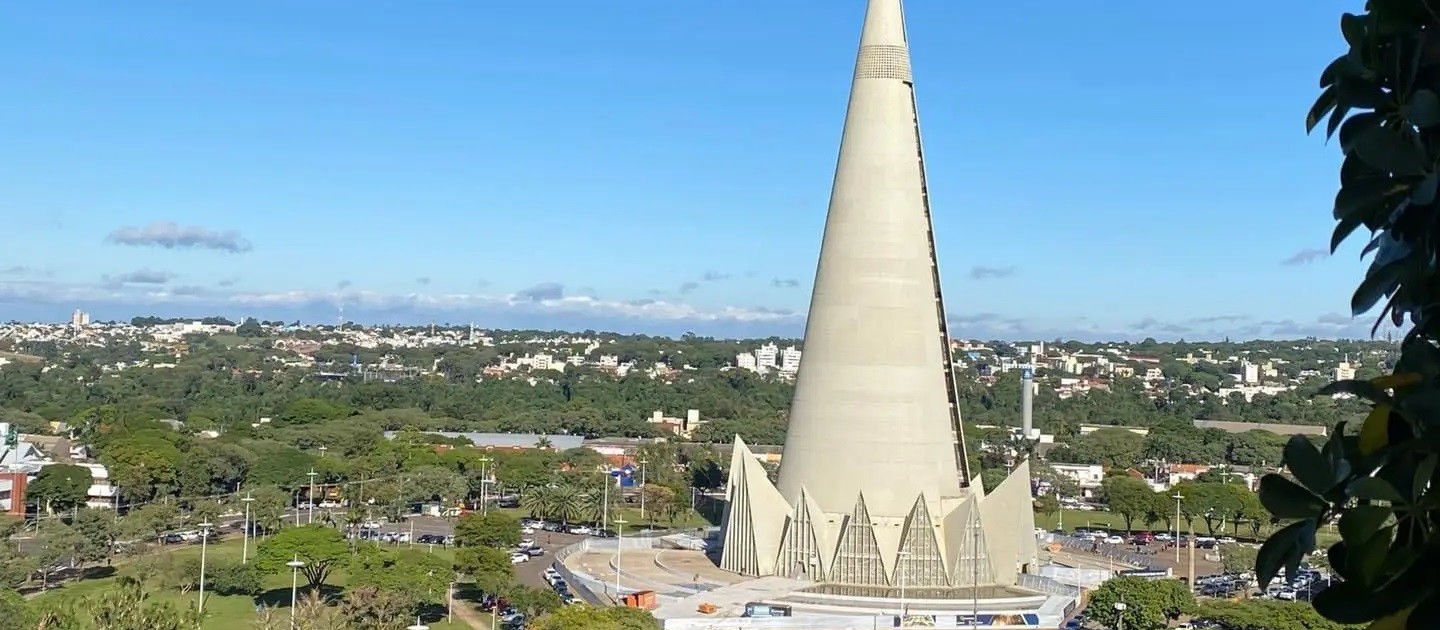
(1149, 604)
(60, 487)
(494, 529)
(589, 618)
(320, 548)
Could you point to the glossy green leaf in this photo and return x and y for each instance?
(1340, 65)
(1387, 150)
(1276, 552)
(1337, 116)
(1377, 284)
(1424, 473)
(1286, 499)
(1338, 557)
(1375, 489)
(1345, 602)
(1365, 194)
(1352, 27)
(1354, 127)
(1309, 467)
(1344, 229)
(1324, 104)
(1360, 523)
(1423, 109)
(1370, 556)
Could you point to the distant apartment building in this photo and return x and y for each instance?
(79, 319)
(1344, 371)
(770, 357)
(765, 357)
(790, 360)
(1087, 476)
(683, 427)
(1249, 372)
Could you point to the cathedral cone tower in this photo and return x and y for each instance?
(874, 481)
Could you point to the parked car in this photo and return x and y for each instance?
(580, 530)
(517, 558)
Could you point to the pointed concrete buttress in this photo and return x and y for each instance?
(874, 460)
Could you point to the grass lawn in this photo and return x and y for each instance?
(226, 612)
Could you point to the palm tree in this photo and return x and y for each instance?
(538, 501)
(567, 503)
(543, 443)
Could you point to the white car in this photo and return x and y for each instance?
(1114, 540)
(527, 543)
(517, 558)
(1225, 540)
(527, 530)
(580, 530)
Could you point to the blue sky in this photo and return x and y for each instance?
(661, 165)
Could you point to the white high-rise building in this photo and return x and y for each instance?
(765, 356)
(790, 360)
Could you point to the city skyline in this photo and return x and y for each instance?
(415, 168)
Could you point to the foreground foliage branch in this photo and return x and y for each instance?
(1381, 99)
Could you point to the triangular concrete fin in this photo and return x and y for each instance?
(967, 546)
(921, 561)
(857, 558)
(1009, 518)
(754, 519)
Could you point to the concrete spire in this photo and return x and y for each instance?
(873, 476)
(884, 24)
(872, 408)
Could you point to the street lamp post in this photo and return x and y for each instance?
(900, 573)
(294, 586)
(484, 480)
(245, 550)
(311, 498)
(1177, 496)
(619, 545)
(642, 462)
(605, 501)
(204, 544)
(1120, 615)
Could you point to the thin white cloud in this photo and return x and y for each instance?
(173, 236)
(981, 272)
(1304, 257)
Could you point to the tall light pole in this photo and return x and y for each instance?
(322, 450)
(484, 481)
(605, 501)
(1177, 496)
(311, 497)
(619, 544)
(975, 574)
(245, 550)
(204, 544)
(900, 573)
(294, 585)
(1120, 615)
(642, 488)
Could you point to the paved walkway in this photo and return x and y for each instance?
(471, 616)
